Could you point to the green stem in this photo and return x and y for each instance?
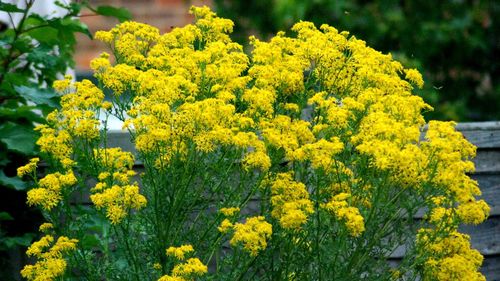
(129, 253)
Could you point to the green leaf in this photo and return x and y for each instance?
(46, 34)
(23, 45)
(70, 25)
(34, 20)
(90, 241)
(18, 138)
(21, 113)
(14, 182)
(4, 216)
(24, 240)
(10, 8)
(40, 59)
(76, 25)
(38, 96)
(121, 14)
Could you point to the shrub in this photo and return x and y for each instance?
(303, 161)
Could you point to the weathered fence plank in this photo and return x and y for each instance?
(481, 134)
(490, 188)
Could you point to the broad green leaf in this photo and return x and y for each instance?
(24, 240)
(41, 60)
(4, 216)
(45, 34)
(76, 25)
(12, 78)
(121, 14)
(67, 36)
(23, 45)
(12, 182)
(18, 138)
(10, 8)
(22, 112)
(38, 96)
(34, 20)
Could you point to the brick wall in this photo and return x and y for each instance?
(164, 14)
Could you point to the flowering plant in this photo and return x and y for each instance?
(302, 161)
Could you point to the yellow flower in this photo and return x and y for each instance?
(473, 212)
(50, 263)
(186, 270)
(257, 159)
(104, 36)
(180, 252)
(28, 168)
(448, 256)
(414, 77)
(45, 227)
(225, 226)
(252, 234)
(118, 201)
(349, 215)
(192, 266)
(157, 266)
(290, 201)
(49, 191)
(229, 212)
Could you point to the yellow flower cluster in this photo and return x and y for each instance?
(451, 153)
(77, 119)
(225, 226)
(229, 212)
(349, 215)
(187, 269)
(50, 190)
(414, 77)
(449, 257)
(79, 111)
(290, 201)
(29, 168)
(473, 212)
(253, 234)
(180, 252)
(184, 83)
(321, 154)
(282, 132)
(56, 143)
(46, 227)
(51, 263)
(131, 41)
(114, 191)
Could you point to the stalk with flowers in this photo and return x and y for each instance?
(301, 161)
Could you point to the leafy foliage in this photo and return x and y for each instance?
(456, 42)
(35, 51)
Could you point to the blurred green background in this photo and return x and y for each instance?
(454, 43)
